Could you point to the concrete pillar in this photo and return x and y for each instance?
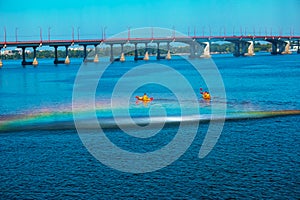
(84, 52)
(281, 47)
(236, 52)
(287, 48)
(158, 52)
(55, 55)
(274, 48)
(122, 58)
(67, 60)
(146, 57)
(1, 64)
(35, 62)
(96, 59)
(244, 48)
(111, 53)
(206, 50)
(23, 56)
(168, 56)
(192, 50)
(136, 56)
(250, 49)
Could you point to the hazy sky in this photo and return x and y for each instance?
(28, 16)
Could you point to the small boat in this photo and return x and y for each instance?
(144, 98)
(205, 95)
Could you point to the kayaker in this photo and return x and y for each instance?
(205, 95)
(145, 97)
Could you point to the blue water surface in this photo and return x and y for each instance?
(253, 158)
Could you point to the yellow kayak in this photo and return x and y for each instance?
(144, 99)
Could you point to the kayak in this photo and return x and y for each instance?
(142, 99)
(206, 96)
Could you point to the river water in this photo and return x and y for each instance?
(256, 154)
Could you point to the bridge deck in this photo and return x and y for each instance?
(144, 40)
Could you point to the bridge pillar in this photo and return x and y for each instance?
(122, 58)
(55, 55)
(35, 62)
(84, 53)
(286, 48)
(23, 56)
(1, 64)
(96, 59)
(244, 48)
(236, 52)
(56, 60)
(247, 48)
(274, 48)
(24, 62)
(136, 56)
(67, 60)
(281, 47)
(250, 49)
(168, 56)
(146, 57)
(206, 50)
(192, 50)
(111, 53)
(158, 52)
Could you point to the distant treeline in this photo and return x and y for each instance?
(229, 48)
(129, 50)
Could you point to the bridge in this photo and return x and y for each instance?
(243, 45)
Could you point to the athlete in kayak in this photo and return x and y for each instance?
(205, 95)
(144, 98)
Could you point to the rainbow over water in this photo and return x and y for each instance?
(51, 119)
